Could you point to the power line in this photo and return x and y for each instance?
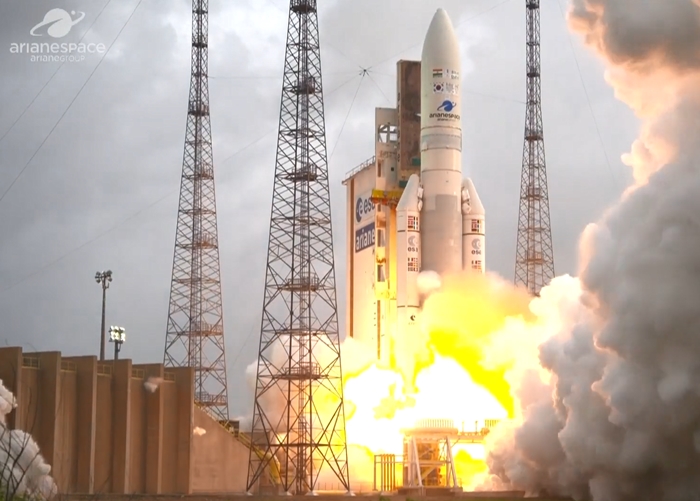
(54, 74)
(85, 244)
(486, 11)
(270, 77)
(342, 127)
(462, 90)
(378, 87)
(146, 208)
(326, 44)
(2, 197)
(590, 105)
(332, 91)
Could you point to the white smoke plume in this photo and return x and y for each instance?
(23, 471)
(608, 401)
(428, 282)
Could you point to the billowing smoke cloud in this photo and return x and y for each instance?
(608, 403)
(23, 471)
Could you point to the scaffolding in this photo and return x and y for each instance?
(427, 463)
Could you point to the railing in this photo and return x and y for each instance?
(31, 362)
(273, 465)
(367, 163)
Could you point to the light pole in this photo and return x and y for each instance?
(103, 278)
(117, 336)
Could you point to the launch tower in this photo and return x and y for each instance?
(534, 258)
(195, 331)
(298, 415)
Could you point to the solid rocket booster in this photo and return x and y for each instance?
(473, 229)
(408, 241)
(441, 149)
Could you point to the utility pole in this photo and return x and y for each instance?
(534, 257)
(103, 278)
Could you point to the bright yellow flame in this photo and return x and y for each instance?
(460, 319)
(448, 378)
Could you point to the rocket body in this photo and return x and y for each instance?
(441, 149)
(440, 218)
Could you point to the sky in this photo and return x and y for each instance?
(91, 150)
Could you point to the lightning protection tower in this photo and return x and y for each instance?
(195, 331)
(534, 259)
(298, 416)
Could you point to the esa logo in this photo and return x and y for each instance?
(413, 243)
(476, 247)
(363, 208)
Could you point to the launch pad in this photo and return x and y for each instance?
(427, 465)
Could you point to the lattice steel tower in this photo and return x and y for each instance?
(534, 259)
(195, 332)
(298, 416)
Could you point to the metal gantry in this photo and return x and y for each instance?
(534, 260)
(298, 416)
(195, 331)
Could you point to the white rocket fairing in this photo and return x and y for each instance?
(441, 149)
(440, 218)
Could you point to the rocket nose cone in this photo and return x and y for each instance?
(441, 39)
(477, 207)
(441, 17)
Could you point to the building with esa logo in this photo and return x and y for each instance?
(409, 209)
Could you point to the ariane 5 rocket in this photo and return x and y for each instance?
(440, 218)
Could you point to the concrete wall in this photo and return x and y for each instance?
(104, 432)
(219, 464)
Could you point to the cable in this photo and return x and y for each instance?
(144, 209)
(275, 130)
(590, 106)
(463, 90)
(325, 44)
(2, 197)
(54, 74)
(85, 244)
(391, 58)
(378, 87)
(342, 127)
(276, 77)
(240, 351)
(491, 96)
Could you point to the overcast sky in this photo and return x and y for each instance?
(105, 138)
